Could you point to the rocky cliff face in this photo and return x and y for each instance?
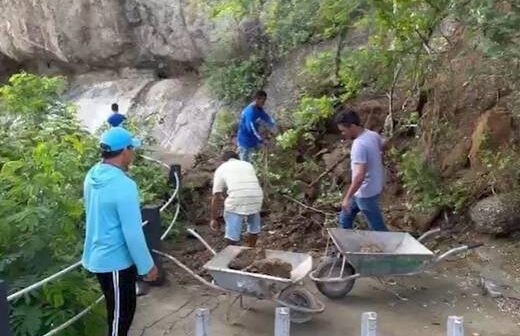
(142, 54)
(85, 34)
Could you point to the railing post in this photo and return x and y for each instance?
(455, 326)
(202, 322)
(174, 169)
(282, 322)
(5, 330)
(152, 233)
(369, 324)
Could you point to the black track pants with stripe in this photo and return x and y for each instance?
(120, 298)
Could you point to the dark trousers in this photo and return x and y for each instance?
(120, 297)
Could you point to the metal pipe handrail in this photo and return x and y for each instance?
(41, 283)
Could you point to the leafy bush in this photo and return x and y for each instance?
(424, 183)
(290, 24)
(494, 25)
(235, 81)
(309, 117)
(224, 127)
(44, 156)
(317, 76)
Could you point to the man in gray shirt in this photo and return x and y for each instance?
(367, 173)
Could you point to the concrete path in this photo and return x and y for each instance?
(406, 306)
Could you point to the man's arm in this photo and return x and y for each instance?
(216, 201)
(265, 117)
(129, 213)
(219, 184)
(357, 180)
(359, 158)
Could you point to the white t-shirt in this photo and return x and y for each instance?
(238, 179)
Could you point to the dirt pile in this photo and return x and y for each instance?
(371, 248)
(255, 261)
(246, 258)
(271, 266)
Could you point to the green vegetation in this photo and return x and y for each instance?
(44, 157)
(224, 126)
(236, 80)
(307, 121)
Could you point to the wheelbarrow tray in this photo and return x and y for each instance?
(257, 285)
(401, 253)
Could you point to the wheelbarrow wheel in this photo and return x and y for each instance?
(331, 268)
(299, 297)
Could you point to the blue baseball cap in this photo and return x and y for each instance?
(118, 138)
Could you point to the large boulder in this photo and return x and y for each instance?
(497, 214)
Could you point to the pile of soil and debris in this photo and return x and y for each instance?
(371, 248)
(271, 266)
(245, 258)
(255, 261)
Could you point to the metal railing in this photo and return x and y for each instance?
(5, 299)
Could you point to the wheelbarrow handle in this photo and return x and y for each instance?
(428, 234)
(456, 250)
(474, 246)
(315, 278)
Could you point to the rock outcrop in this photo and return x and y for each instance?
(85, 34)
(180, 111)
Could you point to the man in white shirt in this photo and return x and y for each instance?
(244, 199)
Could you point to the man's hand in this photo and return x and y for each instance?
(345, 204)
(153, 275)
(214, 225)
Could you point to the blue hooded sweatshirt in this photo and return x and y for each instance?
(114, 236)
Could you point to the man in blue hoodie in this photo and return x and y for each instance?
(248, 137)
(115, 248)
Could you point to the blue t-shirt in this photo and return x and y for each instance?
(116, 119)
(248, 135)
(367, 149)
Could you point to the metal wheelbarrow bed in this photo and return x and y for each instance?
(253, 284)
(401, 253)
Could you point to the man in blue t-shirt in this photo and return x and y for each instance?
(116, 119)
(366, 158)
(248, 137)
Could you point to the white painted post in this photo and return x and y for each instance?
(282, 322)
(369, 324)
(202, 322)
(455, 326)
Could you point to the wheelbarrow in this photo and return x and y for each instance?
(285, 292)
(355, 254)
